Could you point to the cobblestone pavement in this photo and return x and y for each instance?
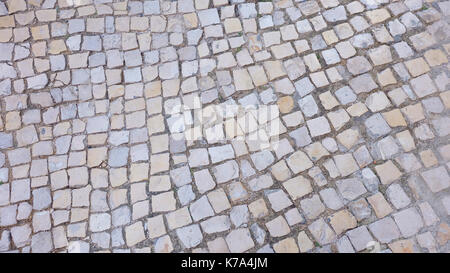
(224, 126)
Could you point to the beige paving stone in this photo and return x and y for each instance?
(40, 32)
(134, 234)
(47, 15)
(428, 158)
(7, 21)
(379, 205)
(280, 171)
(304, 242)
(406, 140)
(219, 200)
(16, 5)
(330, 37)
(422, 40)
(414, 112)
(312, 62)
(298, 162)
(232, 25)
(163, 202)
(357, 109)
(346, 164)
(282, 51)
(378, 15)
(274, 69)
(322, 232)
(445, 96)
(342, 221)
(242, 80)
(239, 240)
(95, 25)
(218, 245)
(287, 245)
(435, 57)
(278, 227)
(96, 156)
(258, 208)
(394, 118)
(348, 138)
(380, 55)
(258, 75)
(178, 218)
(388, 172)
(386, 77)
(443, 235)
(328, 100)
(403, 246)
(285, 104)
(297, 187)
(56, 47)
(417, 67)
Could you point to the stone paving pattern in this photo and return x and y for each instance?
(88, 163)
